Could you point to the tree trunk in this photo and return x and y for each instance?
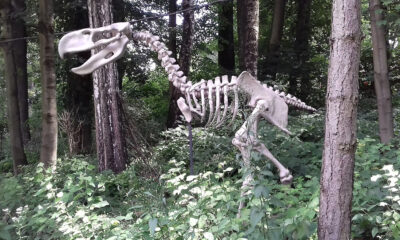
(187, 38)
(226, 53)
(241, 20)
(11, 74)
(107, 103)
(381, 75)
(250, 35)
(299, 83)
(79, 89)
(184, 58)
(19, 31)
(174, 93)
(341, 120)
(172, 7)
(48, 151)
(276, 37)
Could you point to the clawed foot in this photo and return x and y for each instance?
(286, 177)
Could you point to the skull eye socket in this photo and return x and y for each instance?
(105, 34)
(109, 55)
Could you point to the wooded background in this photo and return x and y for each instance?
(58, 129)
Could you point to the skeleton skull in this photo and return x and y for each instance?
(113, 38)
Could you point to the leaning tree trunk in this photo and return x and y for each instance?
(187, 37)
(250, 35)
(341, 120)
(276, 37)
(184, 58)
(381, 75)
(299, 82)
(226, 52)
(48, 151)
(241, 19)
(172, 7)
(19, 31)
(14, 122)
(174, 93)
(79, 89)
(107, 103)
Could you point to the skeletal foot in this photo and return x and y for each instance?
(286, 177)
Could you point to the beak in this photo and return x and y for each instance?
(88, 39)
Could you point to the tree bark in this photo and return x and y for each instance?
(48, 151)
(381, 75)
(174, 94)
(241, 20)
(79, 89)
(341, 120)
(226, 52)
(299, 83)
(172, 7)
(19, 31)
(276, 37)
(107, 103)
(11, 75)
(185, 58)
(250, 35)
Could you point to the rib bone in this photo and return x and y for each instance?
(225, 83)
(210, 86)
(217, 115)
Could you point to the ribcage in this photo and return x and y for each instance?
(206, 98)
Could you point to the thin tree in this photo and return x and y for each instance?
(11, 75)
(174, 93)
(110, 141)
(48, 150)
(241, 19)
(19, 31)
(226, 50)
(299, 74)
(79, 89)
(381, 74)
(340, 122)
(248, 30)
(276, 37)
(185, 56)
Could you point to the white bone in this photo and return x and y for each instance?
(203, 101)
(196, 102)
(277, 113)
(109, 54)
(225, 83)
(210, 86)
(184, 109)
(87, 39)
(217, 85)
(235, 103)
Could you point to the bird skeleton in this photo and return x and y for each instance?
(203, 99)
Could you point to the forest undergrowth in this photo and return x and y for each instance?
(74, 201)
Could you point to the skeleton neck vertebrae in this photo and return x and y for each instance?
(205, 99)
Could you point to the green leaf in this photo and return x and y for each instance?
(99, 204)
(202, 221)
(193, 222)
(274, 234)
(374, 231)
(153, 225)
(208, 236)
(261, 190)
(256, 216)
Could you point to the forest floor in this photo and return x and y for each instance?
(155, 198)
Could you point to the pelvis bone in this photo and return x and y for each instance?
(113, 38)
